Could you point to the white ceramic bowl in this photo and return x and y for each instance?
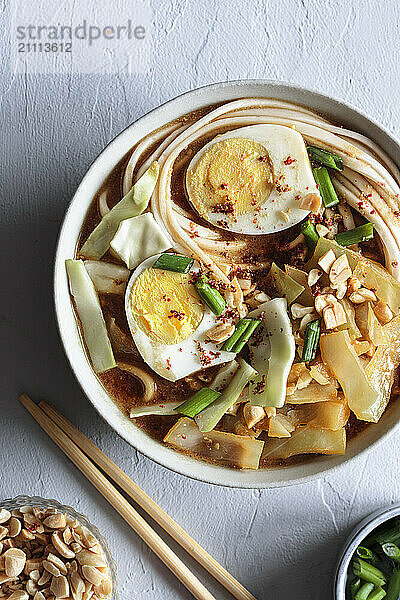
(102, 166)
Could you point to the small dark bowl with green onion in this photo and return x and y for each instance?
(369, 566)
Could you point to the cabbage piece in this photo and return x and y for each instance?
(91, 316)
(340, 357)
(369, 325)
(322, 415)
(392, 329)
(167, 409)
(285, 286)
(208, 418)
(215, 446)
(306, 440)
(324, 245)
(313, 393)
(131, 205)
(280, 427)
(224, 375)
(301, 277)
(107, 278)
(139, 238)
(272, 351)
(374, 277)
(380, 372)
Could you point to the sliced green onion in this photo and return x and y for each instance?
(310, 233)
(387, 533)
(244, 338)
(210, 295)
(328, 159)
(240, 330)
(325, 187)
(393, 591)
(368, 572)
(354, 587)
(209, 417)
(377, 594)
(243, 330)
(355, 236)
(366, 553)
(392, 551)
(174, 262)
(364, 591)
(311, 340)
(197, 402)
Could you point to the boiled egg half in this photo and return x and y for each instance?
(253, 180)
(169, 322)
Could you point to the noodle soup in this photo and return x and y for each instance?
(236, 284)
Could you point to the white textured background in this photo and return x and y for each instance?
(282, 544)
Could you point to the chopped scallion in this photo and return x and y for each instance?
(354, 587)
(377, 594)
(325, 187)
(393, 591)
(174, 262)
(197, 402)
(364, 591)
(328, 159)
(355, 236)
(392, 551)
(368, 572)
(244, 338)
(310, 233)
(311, 340)
(244, 329)
(240, 330)
(210, 295)
(366, 553)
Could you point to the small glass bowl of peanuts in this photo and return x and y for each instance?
(48, 551)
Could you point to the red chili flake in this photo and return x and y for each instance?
(372, 212)
(168, 364)
(289, 160)
(223, 224)
(394, 263)
(183, 437)
(166, 298)
(224, 186)
(176, 314)
(225, 208)
(281, 188)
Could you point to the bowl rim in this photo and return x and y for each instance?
(166, 457)
(357, 535)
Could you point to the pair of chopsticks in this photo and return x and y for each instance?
(85, 455)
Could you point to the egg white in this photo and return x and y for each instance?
(281, 209)
(174, 361)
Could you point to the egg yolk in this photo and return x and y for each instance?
(166, 305)
(234, 176)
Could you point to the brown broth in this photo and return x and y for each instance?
(123, 388)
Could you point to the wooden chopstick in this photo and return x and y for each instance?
(49, 417)
(153, 510)
(122, 506)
